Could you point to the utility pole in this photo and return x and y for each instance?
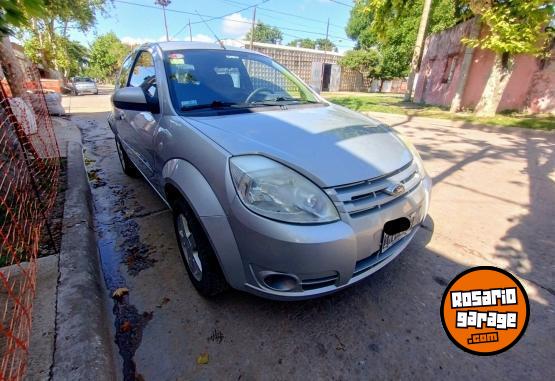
(327, 33)
(190, 32)
(252, 27)
(417, 55)
(164, 4)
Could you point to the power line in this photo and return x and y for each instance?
(340, 3)
(212, 18)
(286, 14)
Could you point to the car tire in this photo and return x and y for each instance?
(126, 164)
(196, 251)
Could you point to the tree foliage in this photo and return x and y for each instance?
(391, 26)
(107, 53)
(515, 26)
(67, 56)
(368, 62)
(325, 44)
(308, 43)
(16, 13)
(265, 33)
(44, 42)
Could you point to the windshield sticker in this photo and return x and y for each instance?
(177, 59)
(192, 102)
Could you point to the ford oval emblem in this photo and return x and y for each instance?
(395, 189)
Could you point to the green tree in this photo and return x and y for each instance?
(107, 53)
(303, 43)
(325, 44)
(15, 14)
(67, 56)
(367, 62)
(514, 27)
(308, 43)
(49, 45)
(390, 26)
(265, 33)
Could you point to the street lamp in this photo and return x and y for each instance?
(164, 4)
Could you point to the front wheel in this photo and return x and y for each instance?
(198, 256)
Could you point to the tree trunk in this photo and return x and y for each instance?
(418, 48)
(11, 68)
(495, 87)
(465, 66)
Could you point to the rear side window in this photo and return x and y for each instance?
(143, 74)
(124, 73)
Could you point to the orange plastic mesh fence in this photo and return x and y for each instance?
(29, 173)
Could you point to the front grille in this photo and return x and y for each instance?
(367, 195)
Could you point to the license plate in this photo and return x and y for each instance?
(390, 240)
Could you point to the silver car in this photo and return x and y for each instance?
(83, 85)
(274, 190)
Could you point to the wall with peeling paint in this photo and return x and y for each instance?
(531, 87)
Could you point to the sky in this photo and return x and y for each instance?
(138, 21)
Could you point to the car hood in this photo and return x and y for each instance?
(331, 145)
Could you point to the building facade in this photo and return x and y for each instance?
(322, 71)
(531, 87)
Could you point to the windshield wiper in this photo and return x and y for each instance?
(277, 101)
(289, 99)
(213, 105)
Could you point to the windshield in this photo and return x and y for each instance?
(83, 79)
(211, 79)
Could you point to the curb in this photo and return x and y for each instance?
(83, 347)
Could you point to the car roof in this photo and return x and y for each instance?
(186, 45)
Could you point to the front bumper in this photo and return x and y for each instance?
(321, 258)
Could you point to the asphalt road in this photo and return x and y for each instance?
(493, 203)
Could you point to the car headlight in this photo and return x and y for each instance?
(272, 190)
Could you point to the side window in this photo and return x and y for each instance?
(124, 73)
(143, 74)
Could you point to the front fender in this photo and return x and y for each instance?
(192, 185)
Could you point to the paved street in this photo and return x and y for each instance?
(493, 203)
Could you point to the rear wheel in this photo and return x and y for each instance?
(197, 253)
(126, 164)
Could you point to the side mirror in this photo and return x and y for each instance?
(134, 98)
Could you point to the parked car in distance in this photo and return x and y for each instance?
(274, 190)
(83, 85)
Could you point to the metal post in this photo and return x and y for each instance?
(190, 32)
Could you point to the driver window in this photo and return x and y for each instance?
(143, 74)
